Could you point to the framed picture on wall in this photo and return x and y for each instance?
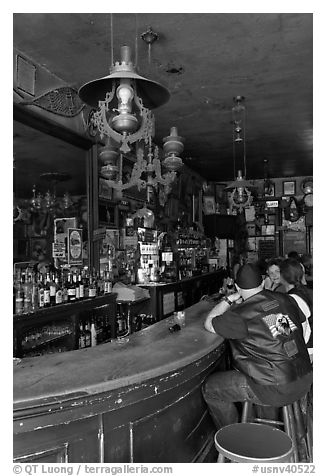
(209, 205)
(289, 187)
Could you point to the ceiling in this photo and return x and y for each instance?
(205, 59)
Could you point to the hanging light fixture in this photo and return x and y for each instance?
(240, 196)
(124, 101)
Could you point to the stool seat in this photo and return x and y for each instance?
(292, 423)
(253, 442)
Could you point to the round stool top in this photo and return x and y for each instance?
(252, 441)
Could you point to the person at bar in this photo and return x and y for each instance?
(291, 277)
(273, 278)
(270, 364)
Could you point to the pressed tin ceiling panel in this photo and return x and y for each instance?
(205, 60)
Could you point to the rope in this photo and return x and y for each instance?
(111, 30)
(244, 144)
(136, 41)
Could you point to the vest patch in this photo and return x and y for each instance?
(279, 324)
(268, 306)
(291, 348)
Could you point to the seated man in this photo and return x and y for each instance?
(270, 359)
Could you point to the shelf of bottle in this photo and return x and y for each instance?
(65, 305)
(27, 346)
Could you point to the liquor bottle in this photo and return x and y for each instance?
(71, 289)
(52, 290)
(91, 287)
(41, 292)
(88, 337)
(27, 290)
(47, 291)
(82, 337)
(93, 335)
(107, 282)
(85, 282)
(58, 291)
(19, 297)
(34, 294)
(121, 324)
(76, 284)
(81, 286)
(99, 327)
(64, 288)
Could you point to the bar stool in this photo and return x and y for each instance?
(253, 443)
(293, 423)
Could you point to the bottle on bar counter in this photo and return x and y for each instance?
(71, 289)
(91, 287)
(47, 301)
(82, 337)
(41, 291)
(52, 290)
(19, 296)
(76, 285)
(58, 291)
(81, 286)
(27, 290)
(93, 335)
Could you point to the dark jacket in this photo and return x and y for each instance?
(266, 340)
(274, 351)
(307, 295)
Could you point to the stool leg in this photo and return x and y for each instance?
(301, 432)
(221, 458)
(289, 426)
(247, 406)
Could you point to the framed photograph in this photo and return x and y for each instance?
(289, 187)
(209, 205)
(270, 190)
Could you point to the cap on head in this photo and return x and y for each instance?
(249, 276)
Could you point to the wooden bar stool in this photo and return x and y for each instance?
(253, 443)
(293, 423)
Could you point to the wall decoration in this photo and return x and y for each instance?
(269, 189)
(289, 187)
(209, 205)
(75, 246)
(63, 101)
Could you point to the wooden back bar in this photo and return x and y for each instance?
(136, 401)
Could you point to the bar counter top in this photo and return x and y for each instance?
(149, 353)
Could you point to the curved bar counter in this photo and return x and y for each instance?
(134, 401)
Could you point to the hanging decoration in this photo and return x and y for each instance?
(240, 196)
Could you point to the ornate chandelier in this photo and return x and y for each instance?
(146, 170)
(240, 196)
(124, 101)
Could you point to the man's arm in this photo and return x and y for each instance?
(220, 309)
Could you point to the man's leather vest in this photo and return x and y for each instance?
(274, 351)
(306, 294)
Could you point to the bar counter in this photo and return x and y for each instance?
(135, 401)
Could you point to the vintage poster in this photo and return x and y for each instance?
(75, 246)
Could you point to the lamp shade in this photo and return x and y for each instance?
(153, 94)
